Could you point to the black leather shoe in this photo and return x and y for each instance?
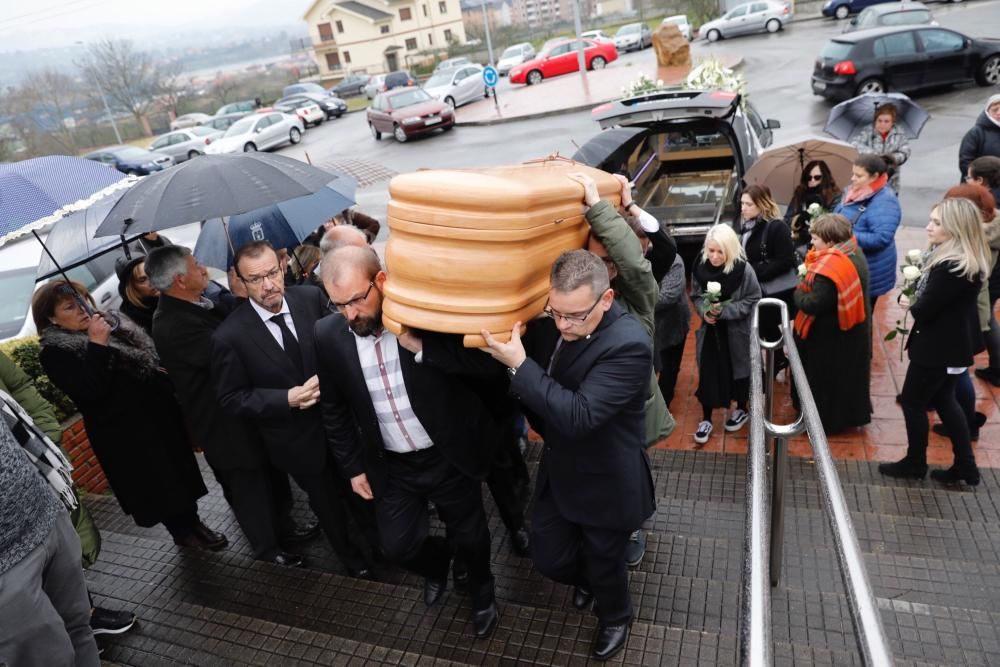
(521, 543)
(213, 540)
(459, 576)
(980, 419)
(610, 639)
(904, 469)
(433, 590)
(300, 533)
(954, 475)
(582, 597)
(636, 548)
(991, 375)
(484, 621)
(285, 559)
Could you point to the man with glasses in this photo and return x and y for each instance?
(583, 382)
(406, 431)
(264, 367)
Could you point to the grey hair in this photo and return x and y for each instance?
(164, 264)
(576, 268)
(334, 239)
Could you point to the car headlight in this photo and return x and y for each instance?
(412, 120)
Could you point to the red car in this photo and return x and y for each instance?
(407, 112)
(562, 59)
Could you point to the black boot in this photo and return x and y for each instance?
(954, 475)
(904, 469)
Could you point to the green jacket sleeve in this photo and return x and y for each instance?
(17, 383)
(821, 300)
(635, 284)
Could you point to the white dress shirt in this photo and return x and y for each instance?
(266, 315)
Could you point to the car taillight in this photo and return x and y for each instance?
(845, 67)
(785, 10)
(207, 141)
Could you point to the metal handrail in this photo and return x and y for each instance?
(763, 531)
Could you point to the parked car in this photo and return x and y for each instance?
(758, 16)
(457, 87)
(597, 35)
(687, 152)
(258, 133)
(225, 121)
(681, 21)
(841, 9)
(451, 63)
(513, 56)
(131, 160)
(892, 14)
(185, 144)
(408, 112)
(189, 120)
(307, 110)
(332, 106)
(297, 88)
(633, 37)
(375, 85)
(562, 59)
(352, 84)
(246, 106)
(905, 58)
(398, 79)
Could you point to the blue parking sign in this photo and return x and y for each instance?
(490, 76)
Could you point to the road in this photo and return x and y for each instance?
(777, 68)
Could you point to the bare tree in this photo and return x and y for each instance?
(51, 94)
(224, 86)
(172, 88)
(128, 77)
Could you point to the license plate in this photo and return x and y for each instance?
(819, 85)
(432, 121)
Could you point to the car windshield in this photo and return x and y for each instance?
(676, 20)
(202, 131)
(627, 29)
(17, 286)
(511, 52)
(242, 126)
(409, 98)
(131, 153)
(836, 50)
(438, 80)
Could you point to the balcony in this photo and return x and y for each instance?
(325, 45)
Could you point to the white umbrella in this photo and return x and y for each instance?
(780, 167)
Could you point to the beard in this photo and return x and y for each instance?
(367, 326)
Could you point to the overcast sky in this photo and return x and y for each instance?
(24, 23)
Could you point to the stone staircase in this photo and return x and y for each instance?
(932, 557)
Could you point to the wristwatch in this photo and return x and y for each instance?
(511, 372)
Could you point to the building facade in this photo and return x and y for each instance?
(379, 36)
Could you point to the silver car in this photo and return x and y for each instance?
(457, 87)
(514, 56)
(189, 120)
(633, 36)
(185, 144)
(258, 132)
(759, 16)
(375, 85)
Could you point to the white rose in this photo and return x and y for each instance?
(713, 288)
(911, 273)
(802, 270)
(914, 255)
(814, 209)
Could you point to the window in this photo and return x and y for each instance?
(411, 44)
(384, 29)
(430, 39)
(333, 61)
(758, 7)
(325, 32)
(447, 35)
(899, 44)
(347, 57)
(443, 7)
(941, 41)
(424, 7)
(910, 17)
(340, 26)
(738, 12)
(405, 14)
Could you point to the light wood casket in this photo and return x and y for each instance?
(471, 249)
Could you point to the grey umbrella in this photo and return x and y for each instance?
(213, 186)
(848, 117)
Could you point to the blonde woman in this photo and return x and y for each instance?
(724, 290)
(945, 337)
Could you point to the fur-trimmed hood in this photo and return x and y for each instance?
(136, 352)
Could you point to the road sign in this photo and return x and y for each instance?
(490, 76)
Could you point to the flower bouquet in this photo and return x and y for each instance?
(711, 299)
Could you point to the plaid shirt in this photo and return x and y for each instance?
(401, 431)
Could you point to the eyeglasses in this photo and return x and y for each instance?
(271, 275)
(334, 307)
(814, 177)
(572, 319)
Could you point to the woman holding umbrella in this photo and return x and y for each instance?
(129, 410)
(883, 137)
(139, 297)
(817, 186)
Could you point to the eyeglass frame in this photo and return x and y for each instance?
(813, 177)
(270, 275)
(335, 307)
(572, 319)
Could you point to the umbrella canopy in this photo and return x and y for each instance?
(213, 186)
(285, 224)
(33, 189)
(780, 167)
(849, 117)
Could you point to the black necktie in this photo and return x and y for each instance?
(289, 342)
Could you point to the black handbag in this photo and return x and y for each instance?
(781, 283)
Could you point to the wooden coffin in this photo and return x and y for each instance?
(471, 249)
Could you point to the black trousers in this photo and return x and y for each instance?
(926, 387)
(261, 499)
(182, 524)
(586, 556)
(507, 481)
(404, 525)
(670, 367)
(329, 502)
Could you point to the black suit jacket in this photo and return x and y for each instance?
(591, 411)
(945, 329)
(453, 416)
(253, 375)
(182, 332)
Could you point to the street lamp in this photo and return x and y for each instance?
(107, 108)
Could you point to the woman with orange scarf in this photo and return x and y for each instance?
(832, 326)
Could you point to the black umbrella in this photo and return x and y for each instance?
(849, 117)
(213, 186)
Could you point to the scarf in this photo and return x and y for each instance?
(42, 452)
(730, 282)
(854, 193)
(835, 265)
(136, 352)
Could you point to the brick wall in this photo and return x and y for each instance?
(87, 472)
